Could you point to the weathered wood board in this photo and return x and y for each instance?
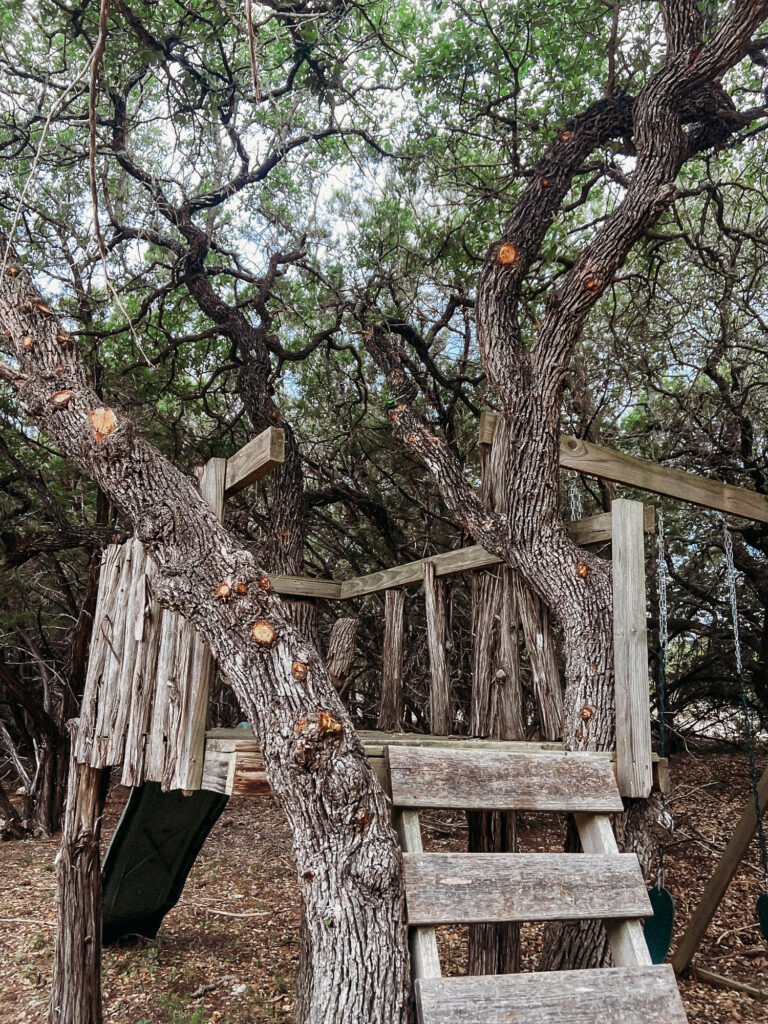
(608, 995)
(607, 464)
(496, 781)
(254, 460)
(466, 888)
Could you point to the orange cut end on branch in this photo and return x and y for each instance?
(27, 342)
(582, 570)
(507, 254)
(263, 633)
(265, 583)
(12, 271)
(103, 421)
(327, 723)
(241, 588)
(565, 136)
(223, 591)
(42, 307)
(299, 670)
(61, 399)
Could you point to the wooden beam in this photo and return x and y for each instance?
(306, 586)
(630, 645)
(730, 983)
(592, 530)
(596, 460)
(721, 878)
(254, 460)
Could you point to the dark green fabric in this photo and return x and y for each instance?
(762, 914)
(658, 929)
(155, 844)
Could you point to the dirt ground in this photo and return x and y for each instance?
(228, 952)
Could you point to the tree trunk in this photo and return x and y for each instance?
(76, 986)
(498, 713)
(391, 711)
(11, 826)
(347, 856)
(340, 655)
(545, 676)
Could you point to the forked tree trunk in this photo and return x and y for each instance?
(76, 985)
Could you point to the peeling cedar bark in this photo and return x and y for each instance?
(527, 379)
(347, 857)
(76, 985)
(391, 709)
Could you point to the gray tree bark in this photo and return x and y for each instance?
(347, 857)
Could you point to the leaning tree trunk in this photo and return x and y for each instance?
(347, 857)
(76, 985)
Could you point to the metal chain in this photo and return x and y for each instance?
(661, 570)
(665, 819)
(731, 575)
(577, 510)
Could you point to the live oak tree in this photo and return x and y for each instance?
(665, 103)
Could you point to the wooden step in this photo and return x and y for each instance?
(497, 781)
(609, 995)
(463, 888)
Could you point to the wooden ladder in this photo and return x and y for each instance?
(466, 888)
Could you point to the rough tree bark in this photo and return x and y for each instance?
(348, 860)
(340, 655)
(527, 379)
(76, 986)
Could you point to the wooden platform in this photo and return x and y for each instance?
(232, 762)
(599, 883)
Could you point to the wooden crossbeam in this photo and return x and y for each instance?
(254, 460)
(591, 530)
(596, 460)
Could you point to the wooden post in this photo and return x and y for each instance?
(633, 714)
(76, 984)
(721, 878)
(440, 718)
(192, 747)
(391, 711)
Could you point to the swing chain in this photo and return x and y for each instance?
(731, 575)
(661, 570)
(665, 818)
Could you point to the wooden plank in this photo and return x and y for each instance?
(592, 530)
(630, 645)
(721, 878)
(469, 888)
(608, 995)
(495, 781)
(305, 586)
(625, 938)
(189, 770)
(425, 959)
(440, 717)
(607, 464)
(254, 460)
(595, 460)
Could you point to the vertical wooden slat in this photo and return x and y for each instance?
(625, 938)
(440, 717)
(425, 958)
(391, 710)
(633, 714)
(190, 766)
